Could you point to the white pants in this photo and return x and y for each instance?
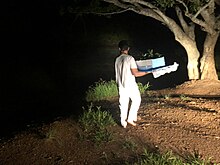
(125, 94)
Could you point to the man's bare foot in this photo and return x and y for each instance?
(138, 118)
(132, 123)
(124, 124)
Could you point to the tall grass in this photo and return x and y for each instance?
(94, 123)
(102, 90)
(142, 87)
(150, 158)
(129, 144)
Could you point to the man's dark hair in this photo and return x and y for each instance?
(123, 45)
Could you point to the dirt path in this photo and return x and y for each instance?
(187, 126)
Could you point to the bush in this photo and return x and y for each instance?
(94, 123)
(102, 90)
(107, 89)
(142, 87)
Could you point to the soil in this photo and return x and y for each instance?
(184, 120)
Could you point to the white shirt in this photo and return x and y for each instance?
(123, 65)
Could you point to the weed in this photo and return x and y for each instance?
(142, 87)
(51, 134)
(129, 144)
(168, 158)
(195, 159)
(167, 96)
(102, 90)
(150, 158)
(183, 97)
(94, 122)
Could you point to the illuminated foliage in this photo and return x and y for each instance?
(164, 4)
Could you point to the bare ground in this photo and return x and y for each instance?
(184, 120)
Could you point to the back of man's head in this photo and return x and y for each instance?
(123, 45)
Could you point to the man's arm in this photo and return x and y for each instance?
(137, 73)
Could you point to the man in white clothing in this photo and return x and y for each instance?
(125, 72)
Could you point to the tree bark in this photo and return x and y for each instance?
(193, 58)
(187, 40)
(207, 67)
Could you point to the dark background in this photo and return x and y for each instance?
(48, 61)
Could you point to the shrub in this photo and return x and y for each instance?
(94, 122)
(157, 159)
(142, 87)
(107, 89)
(102, 90)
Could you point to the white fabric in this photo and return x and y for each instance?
(167, 69)
(123, 65)
(128, 88)
(124, 96)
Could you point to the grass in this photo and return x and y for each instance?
(167, 97)
(183, 97)
(150, 158)
(94, 122)
(102, 90)
(142, 87)
(168, 158)
(51, 134)
(129, 144)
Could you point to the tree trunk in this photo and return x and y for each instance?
(193, 57)
(207, 67)
(187, 40)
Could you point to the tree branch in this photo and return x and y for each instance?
(163, 19)
(188, 29)
(203, 12)
(144, 3)
(181, 19)
(137, 7)
(185, 6)
(110, 13)
(203, 8)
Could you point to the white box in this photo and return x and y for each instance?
(144, 65)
